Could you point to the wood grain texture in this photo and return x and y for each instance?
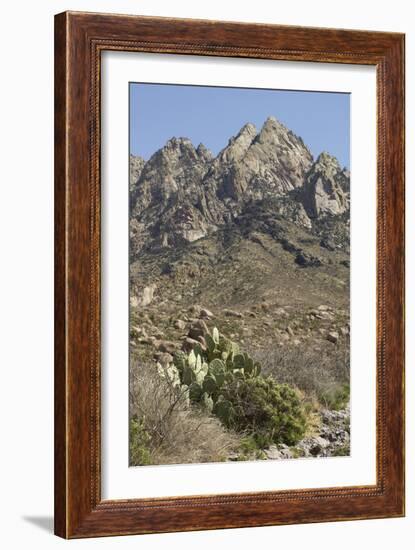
(79, 40)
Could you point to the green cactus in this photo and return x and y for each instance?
(225, 345)
(188, 376)
(204, 375)
(218, 370)
(216, 364)
(210, 343)
(235, 348)
(224, 411)
(249, 365)
(210, 385)
(239, 361)
(171, 373)
(201, 370)
(191, 359)
(198, 350)
(239, 373)
(180, 360)
(195, 391)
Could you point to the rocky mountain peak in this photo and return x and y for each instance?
(204, 153)
(327, 164)
(276, 160)
(178, 146)
(248, 130)
(272, 127)
(326, 188)
(183, 194)
(238, 145)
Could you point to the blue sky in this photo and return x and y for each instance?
(212, 115)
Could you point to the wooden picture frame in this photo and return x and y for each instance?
(79, 40)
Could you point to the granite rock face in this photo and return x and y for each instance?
(136, 165)
(182, 193)
(326, 189)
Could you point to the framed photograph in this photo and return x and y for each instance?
(229, 276)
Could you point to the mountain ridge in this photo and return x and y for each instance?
(182, 193)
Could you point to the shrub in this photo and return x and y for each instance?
(335, 398)
(270, 412)
(139, 442)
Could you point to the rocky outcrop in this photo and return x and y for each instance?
(136, 165)
(332, 439)
(326, 188)
(258, 165)
(182, 193)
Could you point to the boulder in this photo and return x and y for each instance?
(165, 346)
(333, 337)
(146, 296)
(233, 313)
(199, 328)
(163, 357)
(318, 444)
(179, 324)
(307, 260)
(206, 314)
(189, 344)
(148, 340)
(273, 453)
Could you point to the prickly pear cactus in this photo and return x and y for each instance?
(171, 373)
(218, 370)
(188, 376)
(224, 411)
(195, 391)
(180, 360)
(191, 359)
(205, 374)
(239, 361)
(210, 385)
(210, 344)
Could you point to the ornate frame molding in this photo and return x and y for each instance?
(79, 40)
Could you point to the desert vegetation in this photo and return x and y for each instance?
(216, 402)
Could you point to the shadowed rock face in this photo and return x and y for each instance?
(182, 193)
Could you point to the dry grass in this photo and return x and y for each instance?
(174, 432)
(321, 374)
